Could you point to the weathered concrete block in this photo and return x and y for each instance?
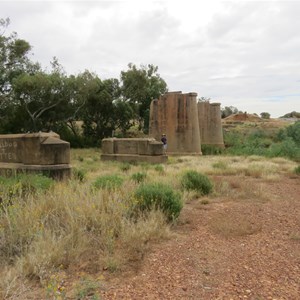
(133, 150)
(186, 123)
(35, 152)
(176, 115)
(210, 124)
(107, 146)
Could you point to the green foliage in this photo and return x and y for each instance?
(228, 110)
(211, 150)
(287, 148)
(265, 115)
(22, 185)
(33, 99)
(109, 182)
(293, 114)
(99, 110)
(159, 196)
(14, 61)
(140, 86)
(286, 143)
(70, 132)
(193, 180)
(123, 115)
(34, 93)
(293, 131)
(139, 177)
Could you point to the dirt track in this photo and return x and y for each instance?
(230, 248)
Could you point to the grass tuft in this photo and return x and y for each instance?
(159, 196)
(109, 182)
(193, 180)
(139, 177)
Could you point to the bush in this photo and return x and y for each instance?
(139, 177)
(193, 180)
(109, 182)
(293, 131)
(159, 196)
(287, 148)
(285, 143)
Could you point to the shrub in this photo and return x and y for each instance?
(139, 177)
(109, 182)
(193, 180)
(287, 148)
(293, 131)
(159, 196)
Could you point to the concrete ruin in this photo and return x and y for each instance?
(133, 150)
(186, 123)
(176, 115)
(210, 124)
(42, 153)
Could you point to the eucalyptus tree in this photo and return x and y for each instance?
(14, 61)
(139, 87)
(98, 112)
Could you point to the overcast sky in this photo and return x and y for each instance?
(239, 53)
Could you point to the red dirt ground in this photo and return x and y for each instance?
(257, 258)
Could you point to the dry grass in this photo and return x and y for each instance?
(74, 226)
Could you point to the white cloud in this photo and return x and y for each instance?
(245, 53)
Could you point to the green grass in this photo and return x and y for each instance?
(193, 180)
(109, 182)
(159, 196)
(139, 177)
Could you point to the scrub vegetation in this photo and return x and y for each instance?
(105, 217)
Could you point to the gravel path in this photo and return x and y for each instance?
(228, 249)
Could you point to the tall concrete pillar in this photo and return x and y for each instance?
(210, 124)
(176, 115)
(204, 119)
